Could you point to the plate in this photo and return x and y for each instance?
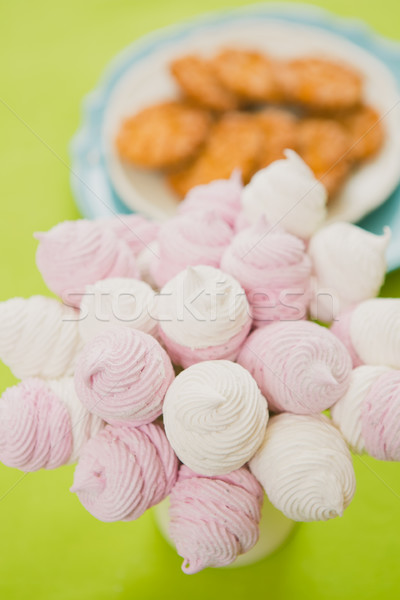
(139, 76)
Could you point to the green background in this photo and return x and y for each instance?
(52, 54)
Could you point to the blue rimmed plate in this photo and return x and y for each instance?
(138, 77)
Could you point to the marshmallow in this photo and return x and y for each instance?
(39, 337)
(243, 223)
(137, 231)
(122, 376)
(273, 268)
(222, 196)
(193, 239)
(43, 425)
(369, 414)
(300, 366)
(349, 266)
(287, 194)
(145, 260)
(371, 332)
(203, 315)
(215, 417)
(214, 519)
(117, 301)
(74, 254)
(341, 328)
(123, 471)
(305, 467)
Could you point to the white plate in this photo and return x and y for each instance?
(148, 81)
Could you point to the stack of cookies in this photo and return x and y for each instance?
(242, 109)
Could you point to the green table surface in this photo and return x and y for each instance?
(52, 53)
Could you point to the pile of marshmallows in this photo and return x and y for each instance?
(203, 321)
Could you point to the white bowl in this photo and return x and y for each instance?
(148, 81)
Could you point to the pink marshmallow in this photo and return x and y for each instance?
(122, 376)
(35, 427)
(300, 367)
(123, 471)
(189, 240)
(43, 425)
(273, 268)
(137, 231)
(76, 253)
(221, 196)
(214, 519)
(241, 222)
(380, 417)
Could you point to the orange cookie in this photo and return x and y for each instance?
(364, 126)
(320, 84)
(199, 82)
(247, 74)
(323, 144)
(279, 128)
(163, 135)
(235, 141)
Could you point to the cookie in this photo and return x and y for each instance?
(163, 135)
(324, 144)
(198, 81)
(235, 141)
(247, 74)
(364, 126)
(320, 84)
(279, 129)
